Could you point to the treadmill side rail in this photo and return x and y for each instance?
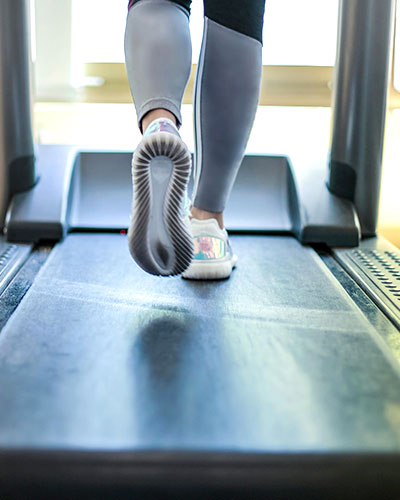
(324, 217)
(42, 213)
(12, 257)
(375, 266)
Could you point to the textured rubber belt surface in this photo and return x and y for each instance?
(277, 358)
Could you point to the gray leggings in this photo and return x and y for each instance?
(158, 61)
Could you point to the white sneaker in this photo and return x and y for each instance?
(160, 240)
(213, 255)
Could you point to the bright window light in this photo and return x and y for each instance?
(295, 32)
(300, 33)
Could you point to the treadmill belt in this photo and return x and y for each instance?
(100, 355)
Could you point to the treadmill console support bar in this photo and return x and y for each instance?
(17, 160)
(359, 104)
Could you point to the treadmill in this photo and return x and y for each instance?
(282, 382)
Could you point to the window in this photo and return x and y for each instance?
(298, 55)
(305, 37)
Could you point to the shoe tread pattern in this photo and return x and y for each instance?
(153, 146)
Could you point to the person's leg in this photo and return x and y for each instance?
(158, 55)
(158, 63)
(226, 98)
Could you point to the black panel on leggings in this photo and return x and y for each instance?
(244, 16)
(183, 3)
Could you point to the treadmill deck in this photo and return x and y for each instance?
(102, 356)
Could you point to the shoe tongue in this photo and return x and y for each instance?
(186, 205)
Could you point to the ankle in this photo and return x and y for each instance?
(200, 214)
(154, 114)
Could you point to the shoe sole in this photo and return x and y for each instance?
(159, 240)
(210, 270)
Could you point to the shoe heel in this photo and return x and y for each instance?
(159, 241)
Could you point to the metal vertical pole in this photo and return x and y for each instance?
(17, 165)
(359, 104)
